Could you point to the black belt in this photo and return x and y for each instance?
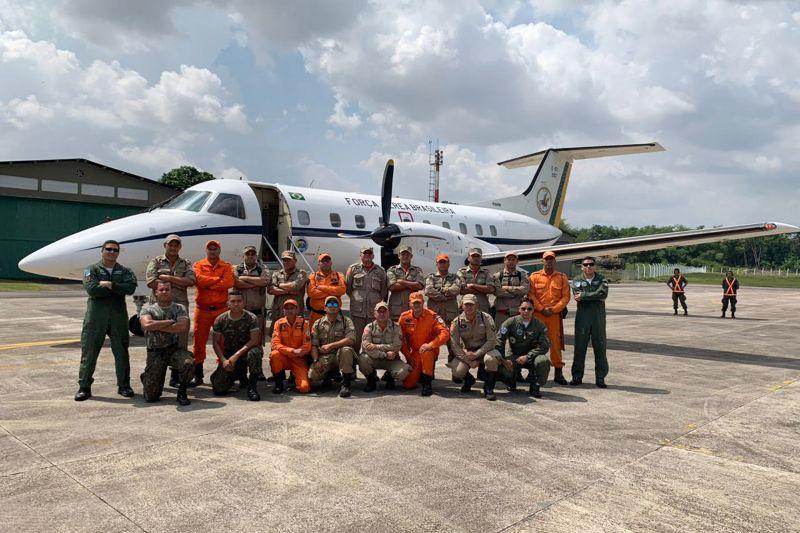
(256, 312)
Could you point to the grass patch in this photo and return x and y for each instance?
(7, 285)
(791, 282)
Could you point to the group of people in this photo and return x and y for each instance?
(389, 326)
(677, 285)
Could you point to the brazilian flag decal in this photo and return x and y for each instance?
(296, 196)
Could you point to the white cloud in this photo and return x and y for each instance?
(340, 117)
(21, 113)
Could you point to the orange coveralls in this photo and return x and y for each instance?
(320, 287)
(551, 291)
(285, 338)
(211, 300)
(428, 328)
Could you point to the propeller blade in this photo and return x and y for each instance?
(386, 191)
(347, 236)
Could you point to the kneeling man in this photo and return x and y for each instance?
(380, 350)
(291, 344)
(473, 337)
(332, 339)
(529, 346)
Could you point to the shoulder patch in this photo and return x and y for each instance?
(503, 330)
(440, 320)
(87, 273)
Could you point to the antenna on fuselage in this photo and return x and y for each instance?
(435, 162)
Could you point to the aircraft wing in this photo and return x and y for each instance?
(642, 243)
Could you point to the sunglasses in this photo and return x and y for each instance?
(325, 260)
(526, 308)
(588, 264)
(331, 304)
(112, 250)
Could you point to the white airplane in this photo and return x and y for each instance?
(281, 217)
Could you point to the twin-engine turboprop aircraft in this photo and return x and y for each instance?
(279, 217)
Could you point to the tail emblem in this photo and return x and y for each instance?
(543, 200)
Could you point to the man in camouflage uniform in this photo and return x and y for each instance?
(179, 273)
(476, 280)
(380, 350)
(403, 279)
(474, 337)
(442, 289)
(366, 285)
(107, 283)
(252, 278)
(529, 348)
(236, 338)
(289, 283)
(511, 285)
(163, 322)
(590, 291)
(332, 341)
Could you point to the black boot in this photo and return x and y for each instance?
(198, 375)
(336, 375)
(469, 381)
(733, 314)
(125, 391)
(427, 384)
(173, 378)
(252, 389)
(675, 312)
(279, 379)
(182, 399)
(488, 386)
(575, 381)
(559, 377)
(389, 379)
(482, 372)
(344, 390)
(84, 393)
(601, 383)
(722, 315)
(372, 382)
(533, 390)
(685, 311)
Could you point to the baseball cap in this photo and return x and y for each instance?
(287, 255)
(290, 302)
(323, 255)
(441, 257)
(416, 297)
(473, 251)
(404, 248)
(549, 253)
(249, 249)
(172, 237)
(331, 299)
(469, 299)
(367, 249)
(213, 243)
(380, 305)
(511, 254)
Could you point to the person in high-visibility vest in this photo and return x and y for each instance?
(730, 286)
(678, 285)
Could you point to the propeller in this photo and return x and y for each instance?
(386, 235)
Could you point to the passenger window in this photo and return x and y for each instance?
(360, 222)
(426, 221)
(478, 229)
(303, 218)
(446, 225)
(336, 220)
(462, 227)
(493, 230)
(230, 205)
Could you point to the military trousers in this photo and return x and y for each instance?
(180, 360)
(376, 360)
(539, 366)
(341, 359)
(490, 361)
(92, 337)
(183, 338)
(678, 297)
(732, 300)
(590, 325)
(222, 380)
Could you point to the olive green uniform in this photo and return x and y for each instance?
(481, 277)
(479, 336)
(163, 350)
(509, 290)
(235, 334)
(181, 269)
(386, 340)
(106, 314)
(531, 341)
(299, 278)
(365, 289)
(325, 332)
(398, 301)
(590, 323)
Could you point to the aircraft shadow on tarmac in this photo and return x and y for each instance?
(637, 312)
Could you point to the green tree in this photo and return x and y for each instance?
(184, 177)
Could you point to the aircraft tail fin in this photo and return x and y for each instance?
(544, 197)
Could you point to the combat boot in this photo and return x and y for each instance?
(84, 393)
(559, 377)
(125, 392)
(733, 314)
(533, 390)
(685, 312)
(427, 388)
(344, 390)
(182, 399)
(198, 375)
(601, 383)
(675, 312)
(252, 390)
(173, 378)
(372, 382)
(722, 315)
(488, 386)
(575, 381)
(389, 379)
(469, 381)
(279, 379)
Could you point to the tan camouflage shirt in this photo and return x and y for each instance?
(181, 269)
(255, 298)
(365, 288)
(442, 293)
(482, 277)
(398, 301)
(157, 340)
(510, 289)
(386, 340)
(325, 332)
(299, 278)
(235, 332)
(479, 336)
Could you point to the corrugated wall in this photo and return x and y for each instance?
(27, 224)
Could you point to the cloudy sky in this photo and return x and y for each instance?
(327, 91)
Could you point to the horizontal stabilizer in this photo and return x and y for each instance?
(585, 152)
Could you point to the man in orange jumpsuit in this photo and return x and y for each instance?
(291, 343)
(423, 332)
(550, 295)
(214, 278)
(323, 283)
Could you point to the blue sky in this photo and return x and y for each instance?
(327, 91)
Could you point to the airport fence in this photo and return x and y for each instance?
(645, 271)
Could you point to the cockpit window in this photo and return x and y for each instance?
(228, 204)
(188, 201)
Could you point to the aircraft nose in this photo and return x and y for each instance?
(45, 262)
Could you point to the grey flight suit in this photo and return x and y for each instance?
(530, 341)
(398, 301)
(325, 332)
(479, 336)
(387, 340)
(181, 269)
(590, 323)
(164, 350)
(365, 289)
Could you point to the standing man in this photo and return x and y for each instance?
(590, 290)
(178, 272)
(380, 350)
(107, 283)
(214, 278)
(730, 286)
(423, 332)
(252, 278)
(476, 279)
(549, 293)
(403, 279)
(366, 286)
(291, 344)
(474, 337)
(528, 343)
(678, 285)
(289, 283)
(511, 285)
(323, 283)
(236, 343)
(163, 322)
(442, 289)
(332, 341)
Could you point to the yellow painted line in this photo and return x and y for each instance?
(37, 343)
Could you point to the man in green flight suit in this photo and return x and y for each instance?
(107, 283)
(590, 290)
(529, 346)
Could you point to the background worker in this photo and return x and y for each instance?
(423, 333)
(403, 279)
(474, 337)
(287, 283)
(332, 341)
(678, 285)
(214, 277)
(367, 285)
(528, 345)
(590, 290)
(107, 283)
(730, 287)
(476, 280)
(442, 289)
(380, 350)
(549, 293)
(252, 278)
(323, 283)
(291, 345)
(163, 322)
